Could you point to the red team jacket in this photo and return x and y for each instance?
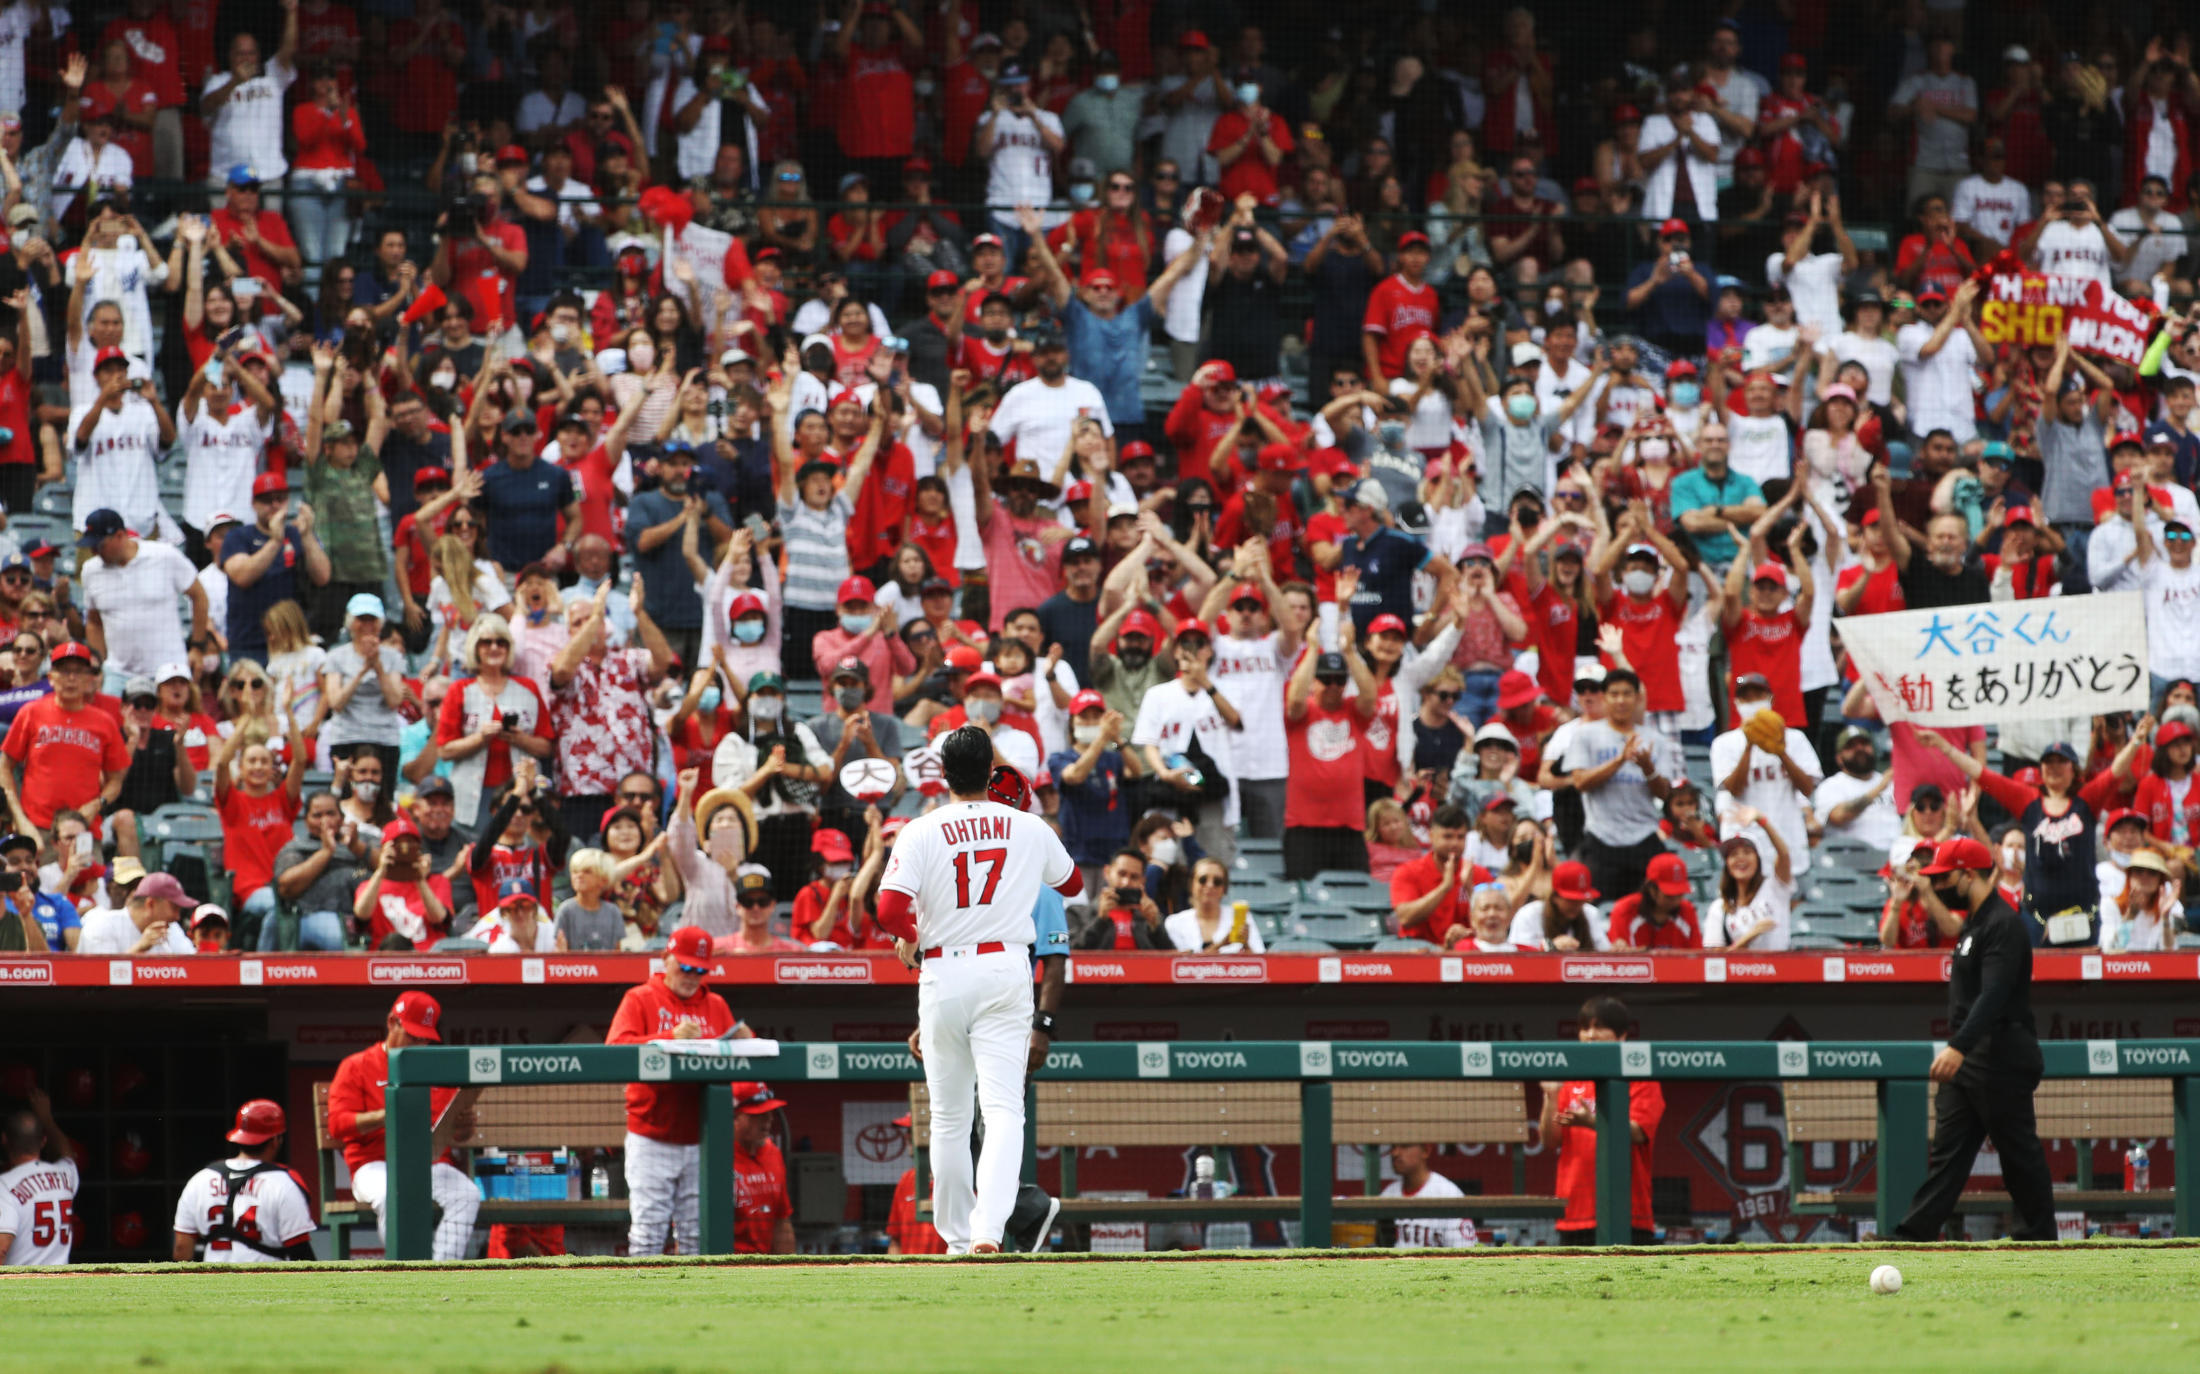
(760, 1202)
(358, 1087)
(672, 1113)
(1577, 1154)
(902, 1226)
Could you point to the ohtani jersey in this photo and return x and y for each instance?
(271, 1207)
(38, 1208)
(116, 471)
(221, 458)
(974, 870)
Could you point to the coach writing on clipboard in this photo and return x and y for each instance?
(1991, 1064)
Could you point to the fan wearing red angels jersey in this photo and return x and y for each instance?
(664, 1124)
(249, 1208)
(960, 891)
(37, 1193)
(1400, 309)
(1762, 638)
(1659, 916)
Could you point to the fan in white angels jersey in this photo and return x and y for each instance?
(249, 1208)
(228, 415)
(961, 887)
(37, 1194)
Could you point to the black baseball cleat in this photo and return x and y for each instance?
(1032, 1221)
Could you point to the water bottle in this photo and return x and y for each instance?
(599, 1182)
(573, 1176)
(1203, 1178)
(2138, 1170)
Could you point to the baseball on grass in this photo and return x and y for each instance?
(1886, 1279)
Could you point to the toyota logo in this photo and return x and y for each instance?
(880, 1143)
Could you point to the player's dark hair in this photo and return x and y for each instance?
(1450, 817)
(1610, 1014)
(966, 760)
(23, 1135)
(1619, 675)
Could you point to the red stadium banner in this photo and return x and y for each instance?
(1126, 969)
(2027, 308)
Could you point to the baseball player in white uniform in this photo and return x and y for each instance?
(960, 889)
(37, 1195)
(1416, 1179)
(250, 1208)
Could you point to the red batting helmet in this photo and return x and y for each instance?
(1007, 786)
(258, 1122)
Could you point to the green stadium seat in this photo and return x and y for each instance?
(1299, 944)
(1392, 944)
(462, 947)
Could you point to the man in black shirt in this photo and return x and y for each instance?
(1991, 1065)
(1943, 573)
(410, 446)
(1244, 281)
(1069, 617)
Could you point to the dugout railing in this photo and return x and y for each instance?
(1897, 1068)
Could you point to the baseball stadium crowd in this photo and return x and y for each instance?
(1451, 457)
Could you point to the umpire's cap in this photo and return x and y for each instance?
(258, 1122)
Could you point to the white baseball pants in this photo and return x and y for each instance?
(664, 1192)
(453, 1191)
(974, 1014)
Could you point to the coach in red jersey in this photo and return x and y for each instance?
(763, 1219)
(1400, 309)
(357, 1117)
(664, 1122)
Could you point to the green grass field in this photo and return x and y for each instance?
(2078, 1307)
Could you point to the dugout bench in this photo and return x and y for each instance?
(578, 1116)
(2083, 1110)
(1372, 1114)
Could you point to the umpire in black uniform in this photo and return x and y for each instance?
(1992, 1064)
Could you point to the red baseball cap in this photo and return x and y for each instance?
(1571, 881)
(754, 1099)
(1278, 458)
(1769, 572)
(1332, 463)
(832, 846)
(747, 602)
(417, 1014)
(400, 827)
(1670, 874)
(1682, 368)
(1216, 373)
(1672, 227)
(1750, 157)
(845, 396)
(74, 649)
(1135, 449)
(271, 484)
(964, 659)
(1087, 700)
(1193, 38)
(1387, 624)
(511, 152)
(110, 354)
(2128, 438)
(1516, 689)
(942, 280)
(2022, 515)
(984, 677)
(1247, 591)
(1101, 278)
(1626, 114)
(1077, 493)
(1140, 623)
(986, 241)
(2173, 732)
(1412, 238)
(858, 588)
(258, 1122)
(1193, 625)
(1960, 852)
(690, 946)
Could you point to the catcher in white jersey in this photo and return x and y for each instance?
(960, 890)
(249, 1208)
(38, 1190)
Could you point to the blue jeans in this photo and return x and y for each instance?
(1478, 702)
(318, 931)
(321, 221)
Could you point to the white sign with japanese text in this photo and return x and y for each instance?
(2002, 661)
(704, 250)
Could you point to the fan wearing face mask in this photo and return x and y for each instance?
(851, 729)
(1649, 621)
(1015, 733)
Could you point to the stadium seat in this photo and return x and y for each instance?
(1300, 944)
(461, 946)
(1392, 944)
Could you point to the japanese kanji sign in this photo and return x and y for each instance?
(2002, 661)
(2034, 308)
